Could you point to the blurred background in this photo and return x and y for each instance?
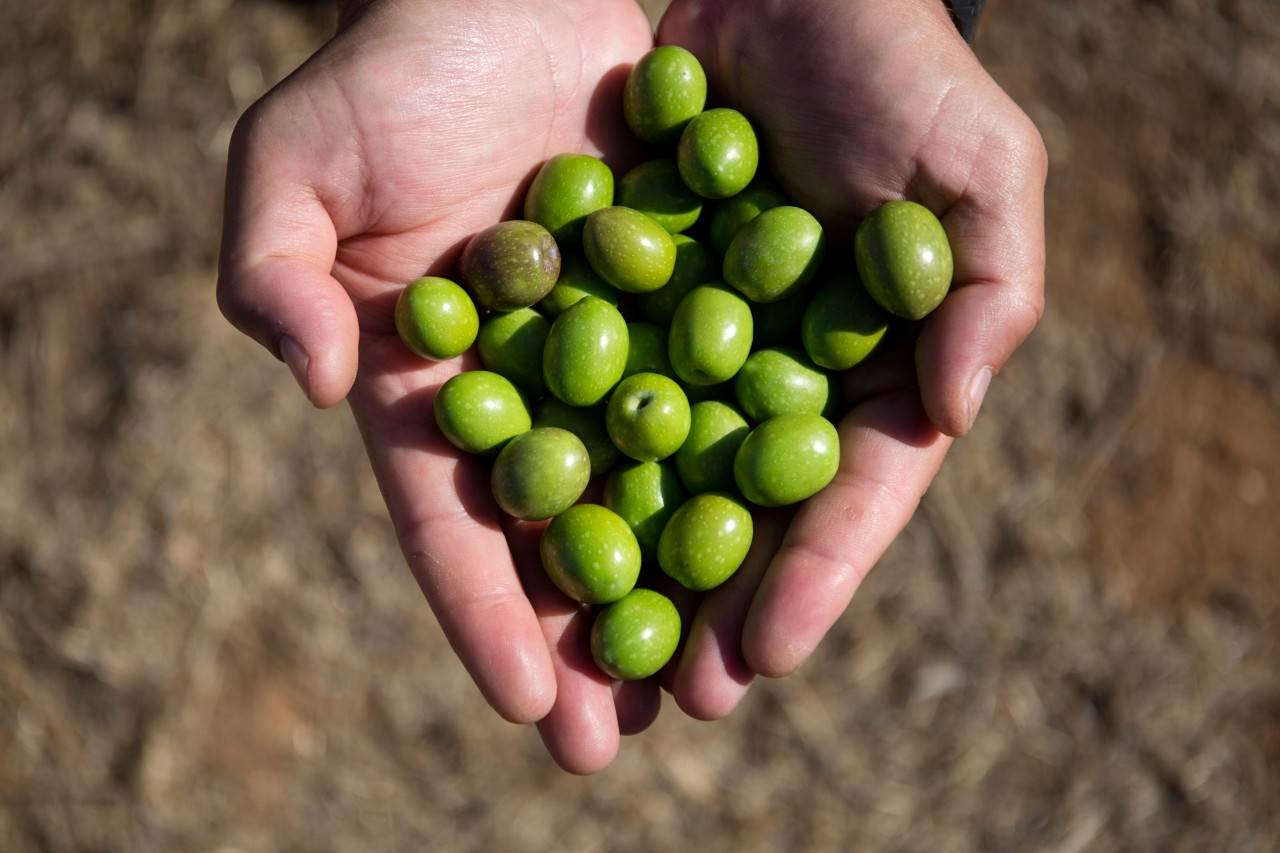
(209, 642)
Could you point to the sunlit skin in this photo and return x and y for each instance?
(420, 123)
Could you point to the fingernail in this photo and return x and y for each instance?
(977, 392)
(298, 361)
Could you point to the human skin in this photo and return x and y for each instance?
(340, 192)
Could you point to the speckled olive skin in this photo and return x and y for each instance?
(904, 259)
(842, 325)
(567, 189)
(665, 89)
(511, 345)
(786, 459)
(646, 350)
(774, 254)
(695, 265)
(778, 323)
(705, 460)
(590, 554)
(705, 541)
(540, 473)
(779, 380)
(710, 335)
(479, 411)
(718, 153)
(587, 424)
(511, 265)
(635, 637)
(585, 353)
(733, 213)
(644, 495)
(436, 319)
(656, 189)
(577, 279)
(628, 249)
(648, 417)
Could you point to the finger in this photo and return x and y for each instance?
(997, 238)
(447, 523)
(890, 453)
(713, 675)
(278, 248)
(638, 704)
(581, 731)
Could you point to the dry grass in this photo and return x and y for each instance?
(208, 640)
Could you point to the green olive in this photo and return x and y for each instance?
(656, 189)
(665, 89)
(590, 554)
(567, 189)
(778, 380)
(511, 265)
(628, 249)
(718, 153)
(904, 259)
(705, 541)
(842, 325)
(774, 254)
(585, 353)
(540, 473)
(710, 335)
(436, 319)
(634, 637)
(479, 411)
(511, 345)
(787, 458)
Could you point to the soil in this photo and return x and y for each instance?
(208, 641)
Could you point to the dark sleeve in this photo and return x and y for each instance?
(965, 13)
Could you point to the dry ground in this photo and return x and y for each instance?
(208, 641)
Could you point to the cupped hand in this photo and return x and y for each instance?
(859, 102)
(416, 126)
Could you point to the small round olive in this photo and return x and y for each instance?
(511, 345)
(436, 319)
(904, 258)
(842, 325)
(479, 411)
(567, 189)
(665, 89)
(718, 153)
(628, 249)
(540, 473)
(511, 265)
(634, 637)
(656, 189)
(774, 254)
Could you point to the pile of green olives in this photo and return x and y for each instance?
(677, 333)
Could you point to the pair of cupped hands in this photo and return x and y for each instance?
(421, 122)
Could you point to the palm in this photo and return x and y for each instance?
(435, 143)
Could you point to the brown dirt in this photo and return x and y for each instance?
(208, 640)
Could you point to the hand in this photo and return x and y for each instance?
(858, 102)
(415, 127)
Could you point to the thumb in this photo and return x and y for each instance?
(278, 249)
